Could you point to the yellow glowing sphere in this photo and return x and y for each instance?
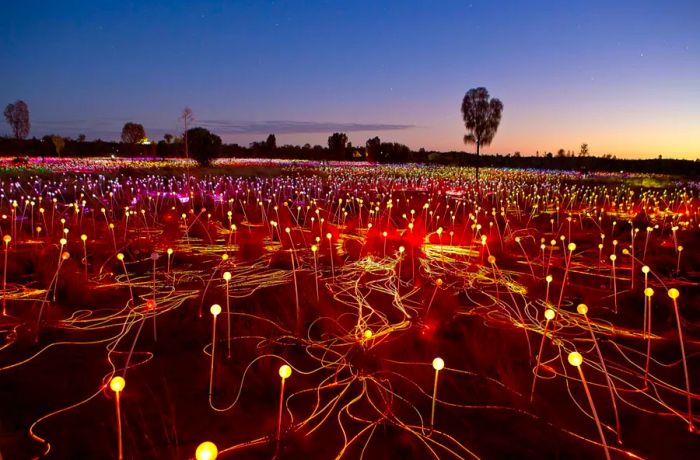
(329, 236)
(288, 230)
(368, 333)
(613, 257)
(645, 269)
(575, 358)
(549, 314)
(215, 309)
(549, 278)
(680, 248)
(492, 260)
(117, 384)
(648, 292)
(384, 234)
(120, 256)
(673, 293)
(625, 251)
(7, 239)
(314, 248)
(227, 276)
(170, 251)
(439, 282)
(83, 237)
(63, 241)
(285, 371)
(438, 364)
(224, 257)
(206, 451)
(582, 308)
(401, 249)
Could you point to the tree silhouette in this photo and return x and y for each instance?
(584, 150)
(81, 137)
(168, 138)
(205, 145)
(337, 142)
(132, 133)
(17, 116)
(481, 116)
(187, 118)
(372, 148)
(271, 142)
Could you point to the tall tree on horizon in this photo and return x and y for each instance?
(187, 118)
(481, 116)
(132, 132)
(17, 116)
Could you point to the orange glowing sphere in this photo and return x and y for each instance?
(285, 371)
(227, 276)
(65, 255)
(582, 308)
(206, 451)
(673, 293)
(215, 309)
(439, 282)
(575, 358)
(117, 384)
(648, 292)
(7, 239)
(517, 239)
(549, 314)
(438, 364)
(151, 304)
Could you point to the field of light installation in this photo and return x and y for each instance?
(301, 310)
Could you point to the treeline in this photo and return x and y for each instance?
(374, 151)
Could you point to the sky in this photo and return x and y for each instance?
(622, 76)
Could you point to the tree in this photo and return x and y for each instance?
(132, 133)
(372, 148)
(168, 138)
(81, 137)
(561, 153)
(584, 150)
(187, 118)
(337, 142)
(271, 142)
(59, 143)
(205, 145)
(481, 116)
(17, 116)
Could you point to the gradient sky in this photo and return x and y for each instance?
(625, 77)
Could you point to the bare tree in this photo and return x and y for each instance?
(17, 116)
(584, 150)
(187, 118)
(481, 116)
(59, 143)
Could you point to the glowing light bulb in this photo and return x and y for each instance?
(206, 451)
(582, 308)
(227, 276)
(549, 278)
(120, 256)
(83, 237)
(117, 384)
(285, 371)
(63, 241)
(673, 293)
(170, 251)
(645, 269)
(575, 358)
(7, 239)
(549, 314)
(438, 364)
(572, 246)
(368, 334)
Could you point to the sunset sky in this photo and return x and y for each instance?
(624, 78)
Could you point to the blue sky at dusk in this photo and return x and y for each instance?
(623, 76)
